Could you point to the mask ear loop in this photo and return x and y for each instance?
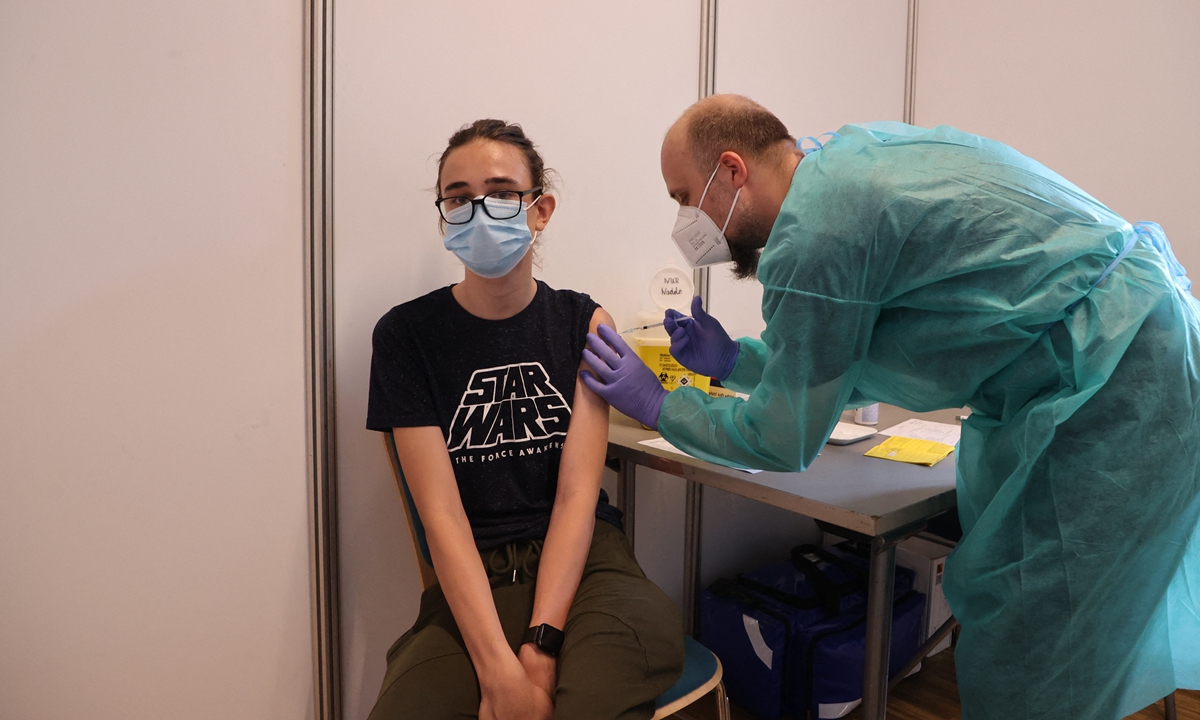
(731, 207)
(710, 179)
(705, 194)
(534, 234)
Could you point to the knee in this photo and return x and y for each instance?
(650, 648)
(428, 678)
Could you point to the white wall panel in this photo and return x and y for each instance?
(816, 65)
(153, 493)
(1105, 92)
(596, 87)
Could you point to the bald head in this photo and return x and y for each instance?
(729, 122)
(728, 153)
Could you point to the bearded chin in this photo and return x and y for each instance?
(745, 260)
(745, 246)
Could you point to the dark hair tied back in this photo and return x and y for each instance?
(499, 131)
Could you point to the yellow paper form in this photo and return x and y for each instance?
(910, 450)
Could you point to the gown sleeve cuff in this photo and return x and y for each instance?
(747, 371)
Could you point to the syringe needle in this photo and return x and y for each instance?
(653, 325)
(642, 327)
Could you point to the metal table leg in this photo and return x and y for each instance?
(923, 652)
(693, 507)
(627, 496)
(881, 583)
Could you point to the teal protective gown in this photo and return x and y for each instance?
(935, 269)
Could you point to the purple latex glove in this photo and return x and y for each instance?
(628, 385)
(699, 342)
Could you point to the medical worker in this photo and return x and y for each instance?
(935, 269)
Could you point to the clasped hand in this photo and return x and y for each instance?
(523, 690)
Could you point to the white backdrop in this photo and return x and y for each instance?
(153, 491)
(1105, 92)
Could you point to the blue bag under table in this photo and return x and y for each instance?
(791, 636)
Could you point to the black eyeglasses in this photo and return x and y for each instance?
(499, 205)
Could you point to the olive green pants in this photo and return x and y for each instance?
(623, 644)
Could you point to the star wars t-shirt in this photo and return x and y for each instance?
(500, 390)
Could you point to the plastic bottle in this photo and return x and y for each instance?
(867, 415)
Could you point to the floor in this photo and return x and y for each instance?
(932, 694)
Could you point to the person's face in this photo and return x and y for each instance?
(485, 166)
(747, 232)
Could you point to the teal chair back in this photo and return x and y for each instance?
(415, 528)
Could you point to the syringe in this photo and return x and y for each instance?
(647, 327)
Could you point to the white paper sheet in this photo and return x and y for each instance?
(659, 443)
(926, 430)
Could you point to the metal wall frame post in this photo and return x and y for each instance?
(707, 86)
(694, 505)
(319, 366)
(910, 64)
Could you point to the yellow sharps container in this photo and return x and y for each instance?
(656, 353)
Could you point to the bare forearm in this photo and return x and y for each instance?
(564, 555)
(465, 584)
(573, 520)
(506, 690)
(460, 571)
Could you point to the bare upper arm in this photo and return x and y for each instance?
(587, 438)
(600, 316)
(427, 469)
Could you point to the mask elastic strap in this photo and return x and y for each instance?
(731, 207)
(705, 194)
(533, 238)
(710, 179)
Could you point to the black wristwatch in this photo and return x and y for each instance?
(547, 638)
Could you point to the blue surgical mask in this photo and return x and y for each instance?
(489, 247)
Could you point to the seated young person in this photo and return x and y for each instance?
(502, 448)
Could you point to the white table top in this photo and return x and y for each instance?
(866, 495)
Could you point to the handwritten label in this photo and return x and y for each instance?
(671, 287)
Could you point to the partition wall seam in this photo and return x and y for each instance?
(319, 356)
(707, 86)
(694, 492)
(910, 64)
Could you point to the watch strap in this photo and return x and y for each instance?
(546, 638)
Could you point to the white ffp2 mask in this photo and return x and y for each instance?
(698, 237)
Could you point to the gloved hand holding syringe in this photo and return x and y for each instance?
(698, 341)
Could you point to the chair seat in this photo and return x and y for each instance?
(701, 673)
